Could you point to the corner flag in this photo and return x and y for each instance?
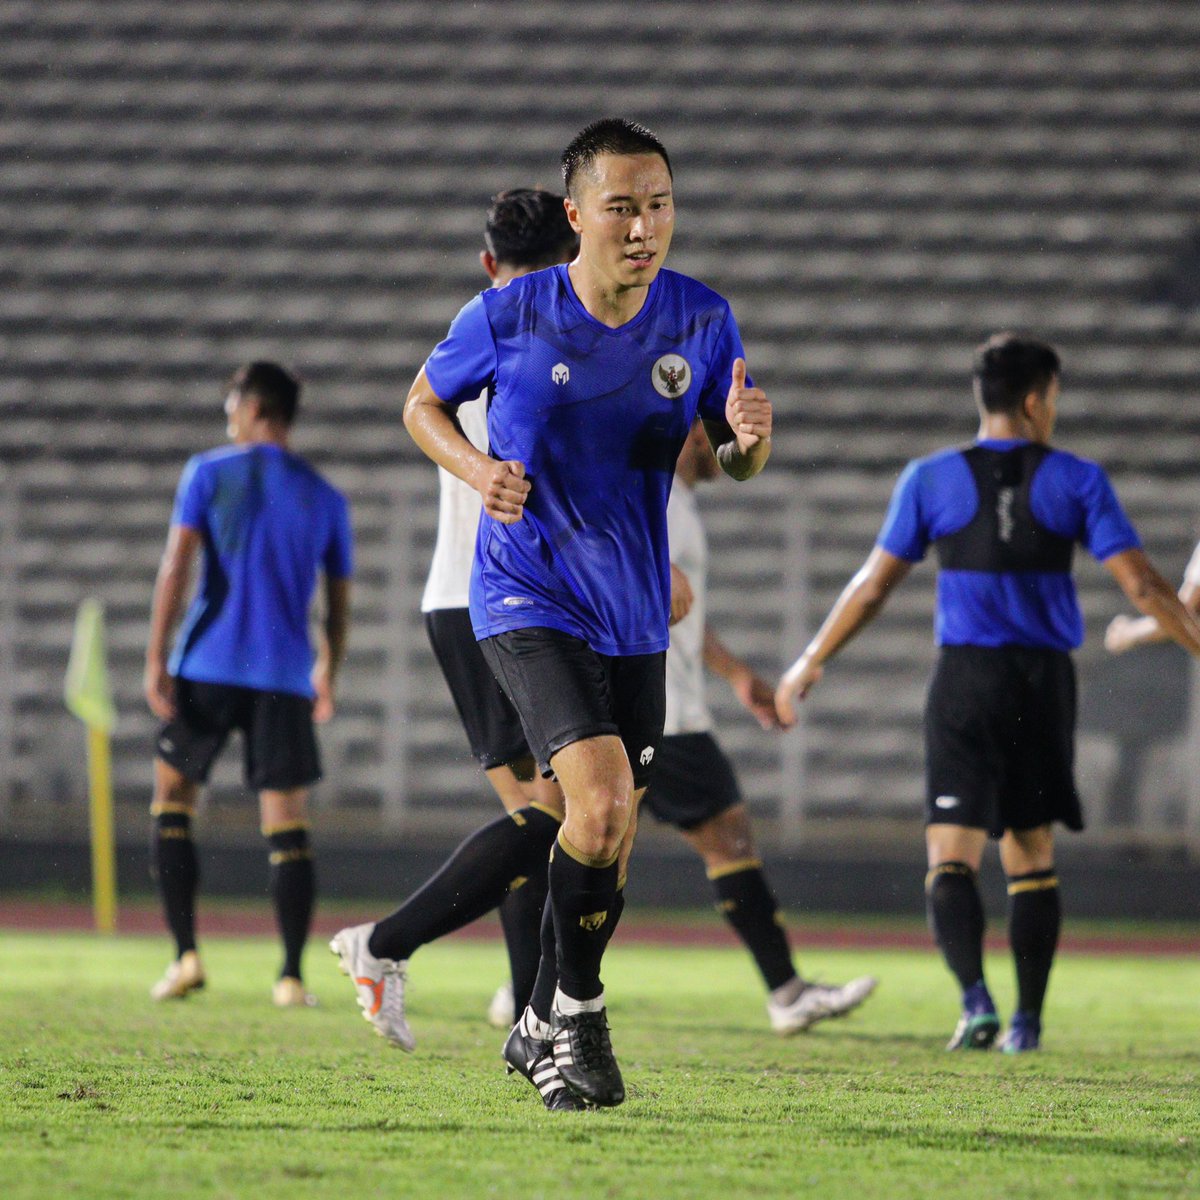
(88, 697)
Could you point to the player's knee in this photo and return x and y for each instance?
(600, 818)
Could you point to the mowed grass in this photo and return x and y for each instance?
(104, 1094)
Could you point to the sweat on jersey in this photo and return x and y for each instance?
(598, 417)
(269, 522)
(1004, 516)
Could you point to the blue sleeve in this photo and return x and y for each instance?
(339, 554)
(727, 347)
(1107, 530)
(464, 362)
(904, 531)
(192, 497)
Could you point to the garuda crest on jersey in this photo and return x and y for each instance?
(671, 376)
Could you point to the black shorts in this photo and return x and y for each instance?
(1000, 739)
(493, 727)
(566, 692)
(693, 781)
(278, 739)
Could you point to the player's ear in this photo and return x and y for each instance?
(490, 266)
(572, 214)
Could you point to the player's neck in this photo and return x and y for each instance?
(1003, 427)
(610, 303)
(265, 435)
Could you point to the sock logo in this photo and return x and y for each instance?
(593, 921)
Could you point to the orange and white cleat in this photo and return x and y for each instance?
(378, 983)
(184, 976)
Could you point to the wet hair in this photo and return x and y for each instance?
(609, 135)
(276, 390)
(1008, 367)
(527, 227)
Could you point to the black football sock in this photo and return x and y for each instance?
(293, 889)
(745, 900)
(582, 891)
(956, 918)
(521, 918)
(471, 883)
(175, 869)
(541, 999)
(1034, 919)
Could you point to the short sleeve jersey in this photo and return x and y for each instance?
(994, 601)
(459, 505)
(269, 523)
(598, 417)
(687, 708)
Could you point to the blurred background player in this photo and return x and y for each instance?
(505, 862)
(596, 371)
(694, 786)
(1004, 515)
(267, 524)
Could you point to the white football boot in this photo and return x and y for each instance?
(817, 1002)
(378, 983)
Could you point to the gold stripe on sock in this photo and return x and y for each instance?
(733, 868)
(159, 807)
(947, 868)
(174, 833)
(519, 882)
(587, 860)
(547, 809)
(285, 856)
(286, 827)
(1032, 885)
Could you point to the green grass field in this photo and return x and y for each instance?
(103, 1094)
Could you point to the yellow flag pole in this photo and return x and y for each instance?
(87, 694)
(104, 854)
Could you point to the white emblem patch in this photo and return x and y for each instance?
(646, 756)
(947, 802)
(560, 372)
(671, 376)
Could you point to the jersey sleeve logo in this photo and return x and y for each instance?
(560, 373)
(671, 376)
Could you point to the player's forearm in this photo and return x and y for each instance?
(336, 627)
(170, 592)
(857, 606)
(720, 660)
(1156, 600)
(743, 464)
(431, 424)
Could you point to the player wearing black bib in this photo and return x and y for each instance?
(1003, 516)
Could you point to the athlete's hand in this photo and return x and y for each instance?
(757, 698)
(682, 597)
(747, 409)
(799, 679)
(504, 489)
(159, 688)
(1121, 634)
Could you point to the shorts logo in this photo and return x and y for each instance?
(166, 745)
(516, 601)
(593, 921)
(646, 756)
(671, 376)
(560, 373)
(947, 802)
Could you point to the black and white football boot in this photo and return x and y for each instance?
(533, 1058)
(583, 1055)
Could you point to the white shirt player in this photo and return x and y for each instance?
(1192, 574)
(687, 710)
(459, 506)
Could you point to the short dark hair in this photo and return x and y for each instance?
(609, 135)
(1008, 367)
(276, 390)
(528, 227)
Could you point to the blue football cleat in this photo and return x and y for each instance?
(978, 1026)
(1025, 1033)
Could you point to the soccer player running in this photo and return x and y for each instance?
(1003, 515)
(505, 862)
(694, 787)
(267, 524)
(596, 371)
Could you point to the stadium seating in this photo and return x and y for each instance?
(875, 186)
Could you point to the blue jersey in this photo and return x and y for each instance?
(1004, 516)
(269, 522)
(598, 417)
